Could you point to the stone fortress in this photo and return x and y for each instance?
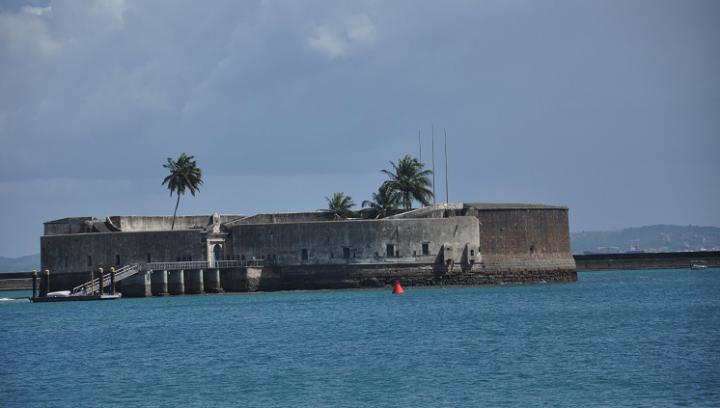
(444, 244)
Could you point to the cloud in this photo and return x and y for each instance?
(355, 34)
(27, 32)
(38, 11)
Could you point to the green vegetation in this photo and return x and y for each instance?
(384, 203)
(184, 175)
(410, 180)
(340, 205)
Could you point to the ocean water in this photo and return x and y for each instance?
(633, 338)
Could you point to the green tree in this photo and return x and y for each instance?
(410, 180)
(384, 203)
(339, 205)
(184, 175)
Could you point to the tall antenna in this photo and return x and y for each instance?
(433, 159)
(447, 199)
(419, 147)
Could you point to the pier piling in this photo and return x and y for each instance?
(194, 282)
(212, 281)
(159, 284)
(176, 282)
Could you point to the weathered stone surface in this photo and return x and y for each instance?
(176, 282)
(159, 283)
(194, 283)
(211, 278)
(137, 285)
(436, 245)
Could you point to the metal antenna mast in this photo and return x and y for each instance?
(433, 159)
(447, 199)
(419, 147)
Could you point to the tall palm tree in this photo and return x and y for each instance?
(184, 175)
(411, 180)
(339, 205)
(383, 203)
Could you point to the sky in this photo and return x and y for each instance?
(611, 108)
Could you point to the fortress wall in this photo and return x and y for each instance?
(366, 241)
(72, 225)
(525, 239)
(281, 218)
(524, 231)
(69, 253)
(164, 222)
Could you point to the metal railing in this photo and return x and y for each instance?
(190, 265)
(95, 284)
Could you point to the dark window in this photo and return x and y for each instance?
(190, 258)
(304, 254)
(346, 253)
(354, 252)
(389, 250)
(117, 259)
(472, 252)
(149, 258)
(425, 248)
(178, 259)
(414, 253)
(89, 260)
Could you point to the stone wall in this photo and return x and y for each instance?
(83, 252)
(662, 260)
(280, 218)
(358, 241)
(163, 223)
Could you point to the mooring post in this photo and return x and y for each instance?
(100, 281)
(92, 281)
(112, 280)
(46, 272)
(34, 276)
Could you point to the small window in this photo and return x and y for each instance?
(425, 248)
(414, 253)
(304, 254)
(389, 250)
(178, 259)
(149, 258)
(190, 258)
(354, 253)
(346, 253)
(117, 260)
(472, 252)
(89, 260)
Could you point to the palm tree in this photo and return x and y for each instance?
(383, 203)
(184, 175)
(409, 179)
(339, 205)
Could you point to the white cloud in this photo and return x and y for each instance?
(26, 31)
(114, 10)
(356, 33)
(37, 11)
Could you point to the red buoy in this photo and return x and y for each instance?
(397, 289)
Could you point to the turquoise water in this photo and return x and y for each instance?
(645, 338)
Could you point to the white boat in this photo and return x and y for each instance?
(59, 293)
(698, 265)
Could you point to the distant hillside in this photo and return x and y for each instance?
(654, 238)
(21, 264)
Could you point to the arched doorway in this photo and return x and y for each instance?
(217, 253)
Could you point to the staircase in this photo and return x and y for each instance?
(120, 274)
